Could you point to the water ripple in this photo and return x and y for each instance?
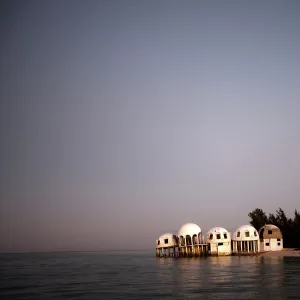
(142, 276)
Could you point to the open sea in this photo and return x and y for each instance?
(140, 275)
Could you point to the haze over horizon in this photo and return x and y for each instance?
(122, 120)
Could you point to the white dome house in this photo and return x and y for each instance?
(219, 241)
(270, 238)
(245, 240)
(166, 245)
(190, 240)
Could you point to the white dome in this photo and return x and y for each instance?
(189, 229)
(245, 233)
(211, 236)
(165, 240)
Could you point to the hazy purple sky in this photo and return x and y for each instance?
(122, 120)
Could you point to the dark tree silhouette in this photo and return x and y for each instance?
(290, 228)
(258, 218)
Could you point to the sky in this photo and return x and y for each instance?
(123, 120)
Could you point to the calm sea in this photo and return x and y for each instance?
(140, 275)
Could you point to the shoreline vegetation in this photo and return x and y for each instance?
(289, 227)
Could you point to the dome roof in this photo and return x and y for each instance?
(270, 226)
(165, 240)
(245, 233)
(189, 229)
(217, 229)
(211, 235)
(270, 231)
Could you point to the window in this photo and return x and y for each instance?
(255, 233)
(218, 236)
(278, 244)
(225, 236)
(267, 244)
(158, 242)
(278, 240)
(211, 236)
(188, 240)
(269, 231)
(166, 241)
(220, 244)
(182, 241)
(247, 234)
(195, 239)
(238, 234)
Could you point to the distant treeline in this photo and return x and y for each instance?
(290, 227)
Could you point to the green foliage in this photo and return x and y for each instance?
(258, 218)
(289, 227)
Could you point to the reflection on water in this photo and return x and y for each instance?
(142, 276)
(291, 278)
(232, 277)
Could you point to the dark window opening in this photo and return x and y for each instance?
(269, 231)
(238, 234)
(239, 248)
(200, 238)
(182, 241)
(225, 236)
(166, 241)
(158, 243)
(188, 240)
(267, 244)
(246, 246)
(220, 244)
(278, 240)
(255, 234)
(243, 245)
(218, 236)
(195, 239)
(278, 244)
(211, 236)
(247, 234)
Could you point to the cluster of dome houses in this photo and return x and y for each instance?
(246, 240)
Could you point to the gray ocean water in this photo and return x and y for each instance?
(140, 275)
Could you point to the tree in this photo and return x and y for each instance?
(258, 218)
(272, 220)
(296, 224)
(290, 228)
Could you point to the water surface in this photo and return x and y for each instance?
(140, 275)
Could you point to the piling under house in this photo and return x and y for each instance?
(219, 241)
(245, 241)
(167, 245)
(270, 238)
(191, 241)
